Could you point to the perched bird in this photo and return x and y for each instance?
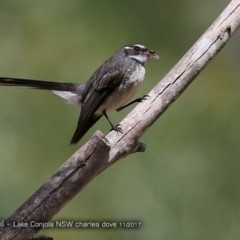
(110, 87)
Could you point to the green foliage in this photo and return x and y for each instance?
(186, 185)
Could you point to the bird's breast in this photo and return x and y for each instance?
(130, 84)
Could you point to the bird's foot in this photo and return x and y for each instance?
(143, 98)
(117, 128)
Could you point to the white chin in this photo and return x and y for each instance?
(141, 58)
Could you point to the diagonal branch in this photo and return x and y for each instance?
(176, 81)
(101, 152)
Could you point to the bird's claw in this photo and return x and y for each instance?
(144, 97)
(117, 128)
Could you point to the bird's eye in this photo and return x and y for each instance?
(136, 48)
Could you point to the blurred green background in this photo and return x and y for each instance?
(187, 184)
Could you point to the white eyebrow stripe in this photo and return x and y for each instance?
(139, 45)
(127, 47)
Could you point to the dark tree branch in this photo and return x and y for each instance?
(41, 237)
(101, 152)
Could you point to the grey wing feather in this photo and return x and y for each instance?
(97, 93)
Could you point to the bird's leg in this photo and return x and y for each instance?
(138, 100)
(116, 128)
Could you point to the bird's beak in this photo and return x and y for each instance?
(152, 54)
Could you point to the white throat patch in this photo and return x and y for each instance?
(141, 58)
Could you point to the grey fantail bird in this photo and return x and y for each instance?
(110, 87)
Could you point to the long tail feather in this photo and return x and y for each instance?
(37, 84)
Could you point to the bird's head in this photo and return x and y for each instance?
(139, 52)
